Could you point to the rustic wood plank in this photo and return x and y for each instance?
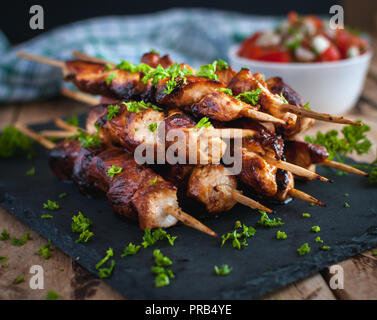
(7, 115)
(360, 278)
(61, 273)
(311, 288)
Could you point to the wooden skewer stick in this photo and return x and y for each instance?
(343, 167)
(64, 125)
(295, 169)
(246, 201)
(305, 197)
(175, 212)
(55, 134)
(82, 56)
(261, 116)
(45, 60)
(189, 220)
(316, 115)
(35, 136)
(79, 96)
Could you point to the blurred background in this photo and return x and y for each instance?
(361, 14)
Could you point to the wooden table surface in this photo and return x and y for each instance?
(66, 277)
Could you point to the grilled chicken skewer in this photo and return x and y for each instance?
(93, 78)
(135, 192)
(255, 171)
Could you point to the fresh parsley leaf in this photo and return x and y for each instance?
(304, 249)
(318, 239)
(226, 91)
(346, 204)
(20, 242)
(221, 64)
(306, 215)
(325, 248)
(87, 140)
(250, 97)
(281, 235)
(52, 295)
(109, 254)
(316, 229)
(137, 106)
(112, 111)
(46, 216)
(13, 143)
(163, 275)
(4, 235)
(114, 170)
(283, 98)
(203, 123)
(265, 221)
(51, 205)
(150, 238)
(240, 232)
(130, 250)
(208, 71)
(110, 78)
(30, 172)
(160, 259)
(44, 251)
(19, 280)
(106, 272)
(62, 195)
(151, 183)
(153, 127)
(73, 121)
(85, 236)
(306, 106)
(82, 224)
(224, 270)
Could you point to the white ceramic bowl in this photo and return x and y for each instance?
(329, 87)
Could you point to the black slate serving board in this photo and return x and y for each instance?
(264, 265)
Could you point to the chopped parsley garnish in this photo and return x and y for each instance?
(151, 183)
(281, 235)
(283, 98)
(73, 121)
(346, 194)
(46, 216)
(346, 204)
(163, 275)
(239, 235)
(112, 111)
(114, 170)
(316, 229)
(306, 215)
(108, 66)
(208, 71)
(325, 248)
(318, 239)
(3, 258)
(19, 280)
(224, 270)
(170, 85)
(44, 251)
(153, 127)
(52, 295)
(4, 235)
(87, 140)
(354, 139)
(109, 254)
(265, 221)
(304, 249)
(30, 172)
(250, 97)
(130, 250)
(82, 224)
(51, 205)
(62, 195)
(110, 78)
(20, 242)
(137, 106)
(374, 252)
(312, 204)
(133, 68)
(106, 272)
(225, 90)
(221, 64)
(13, 142)
(172, 72)
(150, 238)
(203, 123)
(306, 106)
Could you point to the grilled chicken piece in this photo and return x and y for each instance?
(278, 86)
(186, 94)
(304, 154)
(153, 59)
(94, 78)
(136, 191)
(221, 107)
(203, 184)
(245, 81)
(226, 75)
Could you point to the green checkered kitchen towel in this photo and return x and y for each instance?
(196, 36)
